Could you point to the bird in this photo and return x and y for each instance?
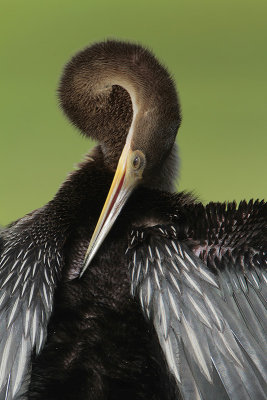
(121, 287)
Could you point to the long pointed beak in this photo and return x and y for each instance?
(125, 180)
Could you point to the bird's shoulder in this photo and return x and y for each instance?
(30, 263)
(219, 231)
(225, 225)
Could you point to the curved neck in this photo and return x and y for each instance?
(110, 87)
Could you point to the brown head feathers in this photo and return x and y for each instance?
(104, 85)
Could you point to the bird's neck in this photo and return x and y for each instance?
(83, 192)
(81, 197)
(165, 178)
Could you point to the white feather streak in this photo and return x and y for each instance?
(3, 261)
(134, 258)
(2, 297)
(171, 359)
(22, 265)
(7, 387)
(27, 320)
(180, 250)
(174, 246)
(7, 279)
(192, 282)
(163, 318)
(46, 276)
(148, 295)
(138, 272)
(31, 295)
(41, 339)
(133, 271)
(45, 295)
(141, 298)
(160, 266)
(156, 278)
(21, 366)
(199, 311)
(264, 276)
(229, 349)
(255, 279)
(14, 265)
(20, 252)
(168, 250)
(5, 357)
(14, 309)
(197, 349)
(175, 282)
(34, 268)
(147, 264)
(181, 261)
(16, 284)
(26, 274)
(214, 313)
(158, 253)
(34, 327)
(24, 288)
(173, 305)
(208, 277)
(175, 267)
(190, 260)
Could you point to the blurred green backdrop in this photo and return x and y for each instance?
(216, 51)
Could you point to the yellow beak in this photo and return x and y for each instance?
(125, 180)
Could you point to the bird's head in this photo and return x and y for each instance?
(120, 95)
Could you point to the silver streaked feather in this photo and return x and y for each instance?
(28, 273)
(212, 328)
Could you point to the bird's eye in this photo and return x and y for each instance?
(136, 162)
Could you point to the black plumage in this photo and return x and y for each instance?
(103, 341)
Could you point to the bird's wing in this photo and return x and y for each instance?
(211, 325)
(28, 275)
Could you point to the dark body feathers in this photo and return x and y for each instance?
(99, 344)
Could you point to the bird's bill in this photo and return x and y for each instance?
(123, 184)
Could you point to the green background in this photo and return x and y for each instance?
(216, 51)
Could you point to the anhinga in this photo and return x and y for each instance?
(169, 299)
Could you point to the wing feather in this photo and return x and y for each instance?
(211, 326)
(27, 281)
